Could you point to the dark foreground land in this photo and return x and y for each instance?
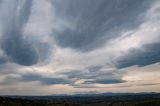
(105, 99)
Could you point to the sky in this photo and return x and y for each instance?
(79, 46)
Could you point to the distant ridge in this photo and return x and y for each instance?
(81, 94)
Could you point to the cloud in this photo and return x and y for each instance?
(91, 76)
(18, 50)
(40, 22)
(11, 79)
(141, 57)
(20, 81)
(97, 22)
(44, 80)
(105, 81)
(16, 47)
(79, 46)
(3, 58)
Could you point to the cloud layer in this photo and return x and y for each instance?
(79, 45)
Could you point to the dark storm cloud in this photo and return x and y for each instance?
(98, 20)
(146, 55)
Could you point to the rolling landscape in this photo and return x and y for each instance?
(104, 99)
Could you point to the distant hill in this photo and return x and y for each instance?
(102, 99)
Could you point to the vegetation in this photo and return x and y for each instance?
(84, 100)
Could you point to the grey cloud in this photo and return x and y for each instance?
(13, 44)
(106, 81)
(148, 54)
(74, 74)
(11, 75)
(44, 80)
(43, 50)
(9, 79)
(95, 75)
(3, 60)
(95, 21)
(90, 24)
(25, 12)
(85, 86)
(94, 68)
(8, 68)
(92, 72)
(18, 49)
(133, 85)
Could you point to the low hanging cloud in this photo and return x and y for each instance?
(94, 75)
(105, 81)
(44, 80)
(14, 76)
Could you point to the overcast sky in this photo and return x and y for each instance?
(77, 46)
